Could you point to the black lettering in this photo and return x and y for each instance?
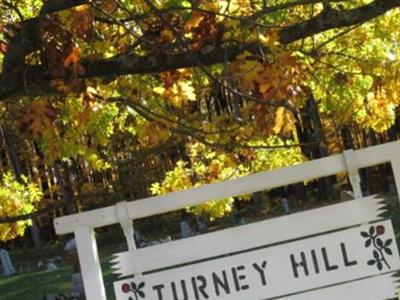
(295, 264)
(158, 288)
(199, 288)
(261, 271)
(315, 261)
(184, 291)
(328, 267)
(237, 278)
(223, 283)
(347, 263)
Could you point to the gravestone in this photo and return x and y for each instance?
(286, 205)
(201, 224)
(346, 195)
(77, 289)
(186, 230)
(8, 268)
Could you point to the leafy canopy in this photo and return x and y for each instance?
(227, 79)
(16, 199)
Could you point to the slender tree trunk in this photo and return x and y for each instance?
(11, 150)
(64, 181)
(314, 130)
(382, 169)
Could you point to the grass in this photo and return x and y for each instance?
(32, 284)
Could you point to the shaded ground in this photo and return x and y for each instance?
(30, 283)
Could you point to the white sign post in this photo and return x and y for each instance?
(343, 259)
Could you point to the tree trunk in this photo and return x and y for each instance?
(314, 131)
(11, 150)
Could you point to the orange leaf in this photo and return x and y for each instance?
(38, 117)
(195, 20)
(73, 59)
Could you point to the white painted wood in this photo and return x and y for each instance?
(178, 200)
(352, 165)
(396, 172)
(373, 288)
(249, 184)
(90, 264)
(354, 212)
(82, 224)
(126, 223)
(249, 278)
(355, 181)
(379, 154)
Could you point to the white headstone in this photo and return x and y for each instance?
(70, 245)
(286, 205)
(186, 231)
(8, 268)
(51, 267)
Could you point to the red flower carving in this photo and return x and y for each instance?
(380, 229)
(126, 288)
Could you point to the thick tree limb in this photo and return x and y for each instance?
(26, 41)
(58, 5)
(34, 79)
(27, 38)
(332, 18)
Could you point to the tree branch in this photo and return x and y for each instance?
(35, 79)
(335, 19)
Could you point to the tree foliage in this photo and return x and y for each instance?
(16, 199)
(207, 165)
(227, 79)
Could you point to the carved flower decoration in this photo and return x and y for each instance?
(381, 246)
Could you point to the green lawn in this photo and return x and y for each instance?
(33, 284)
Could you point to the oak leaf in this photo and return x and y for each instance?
(38, 117)
(73, 60)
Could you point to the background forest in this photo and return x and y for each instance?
(103, 101)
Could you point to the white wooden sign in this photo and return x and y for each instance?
(274, 271)
(343, 263)
(276, 230)
(372, 288)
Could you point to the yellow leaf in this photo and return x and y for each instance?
(188, 90)
(279, 120)
(194, 20)
(166, 35)
(81, 8)
(270, 39)
(159, 90)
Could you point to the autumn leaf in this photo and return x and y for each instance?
(80, 8)
(38, 117)
(82, 23)
(270, 39)
(152, 133)
(205, 29)
(195, 20)
(73, 60)
(169, 78)
(3, 47)
(166, 35)
(108, 6)
(284, 122)
(279, 120)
